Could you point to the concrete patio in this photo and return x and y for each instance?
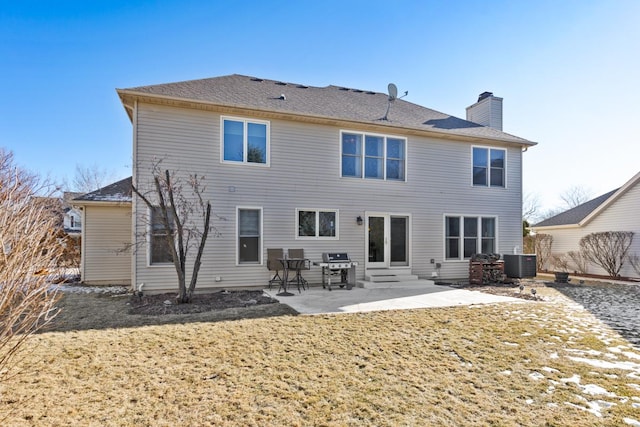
(396, 296)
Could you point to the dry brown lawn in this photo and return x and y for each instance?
(506, 364)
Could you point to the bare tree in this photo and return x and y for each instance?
(608, 249)
(575, 196)
(181, 231)
(29, 251)
(530, 207)
(542, 246)
(89, 178)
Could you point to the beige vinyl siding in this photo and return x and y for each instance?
(107, 230)
(305, 172)
(621, 215)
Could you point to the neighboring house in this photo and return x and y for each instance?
(326, 169)
(72, 217)
(616, 210)
(106, 234)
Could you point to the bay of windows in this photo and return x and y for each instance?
(373, 156)
(468, 235)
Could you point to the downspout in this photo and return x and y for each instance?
(134, 209)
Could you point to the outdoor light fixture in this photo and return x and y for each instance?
(359, 220)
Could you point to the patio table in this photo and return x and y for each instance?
(292, 264)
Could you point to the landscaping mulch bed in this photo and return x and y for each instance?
(162, 304)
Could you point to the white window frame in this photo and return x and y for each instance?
(504, 170)
(245, 141)
(479, 238)
(260, 238)
(385, 158)
(317, 226)
(150, 240)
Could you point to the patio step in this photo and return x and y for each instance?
(388, 275)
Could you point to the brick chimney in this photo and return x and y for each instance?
(487, 111)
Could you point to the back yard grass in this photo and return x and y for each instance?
(546, 362)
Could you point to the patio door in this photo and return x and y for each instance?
(387, 242)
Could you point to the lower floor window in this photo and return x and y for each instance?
(468, 235)
(318, 224)
(159, 244)
(249, 235)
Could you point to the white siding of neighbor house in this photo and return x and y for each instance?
(107, 229)
(304, 172)
(621, 215)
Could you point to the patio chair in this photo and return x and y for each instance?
(274, 264)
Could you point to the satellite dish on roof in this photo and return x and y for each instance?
(393, 91)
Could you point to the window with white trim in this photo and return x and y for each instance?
(468, 235)
(317, 224)
(249, 222)
(373, 156)
(489, 165)
(159, 250)
(245, 141)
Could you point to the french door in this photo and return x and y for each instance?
(387, 242)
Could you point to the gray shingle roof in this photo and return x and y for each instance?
(117, 192)
(577, 214)
(330, 102)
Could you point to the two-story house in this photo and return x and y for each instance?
(396, 185)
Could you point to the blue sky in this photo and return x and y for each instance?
(569, 71)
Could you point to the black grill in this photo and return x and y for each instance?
(338, 264)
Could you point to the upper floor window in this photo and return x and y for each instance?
(317, 223)
(373, 156)
(245, 141)
(468, 235)
(489, 167)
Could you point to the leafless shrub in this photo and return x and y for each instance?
(634, 260)
(29, 251)
(542, 246)
(559, 262)
(607, 249)
(528, 244)
(580, 262)
(70, 256)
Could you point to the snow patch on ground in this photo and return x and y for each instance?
(595, 407)
(536, 376)
(627, 366)
(631, 422)
(83, 289)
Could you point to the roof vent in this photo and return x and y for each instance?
(344, 88)
(255, 79)
(281, 83)
(302, 87)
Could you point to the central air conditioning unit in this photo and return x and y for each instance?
(520, 266)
